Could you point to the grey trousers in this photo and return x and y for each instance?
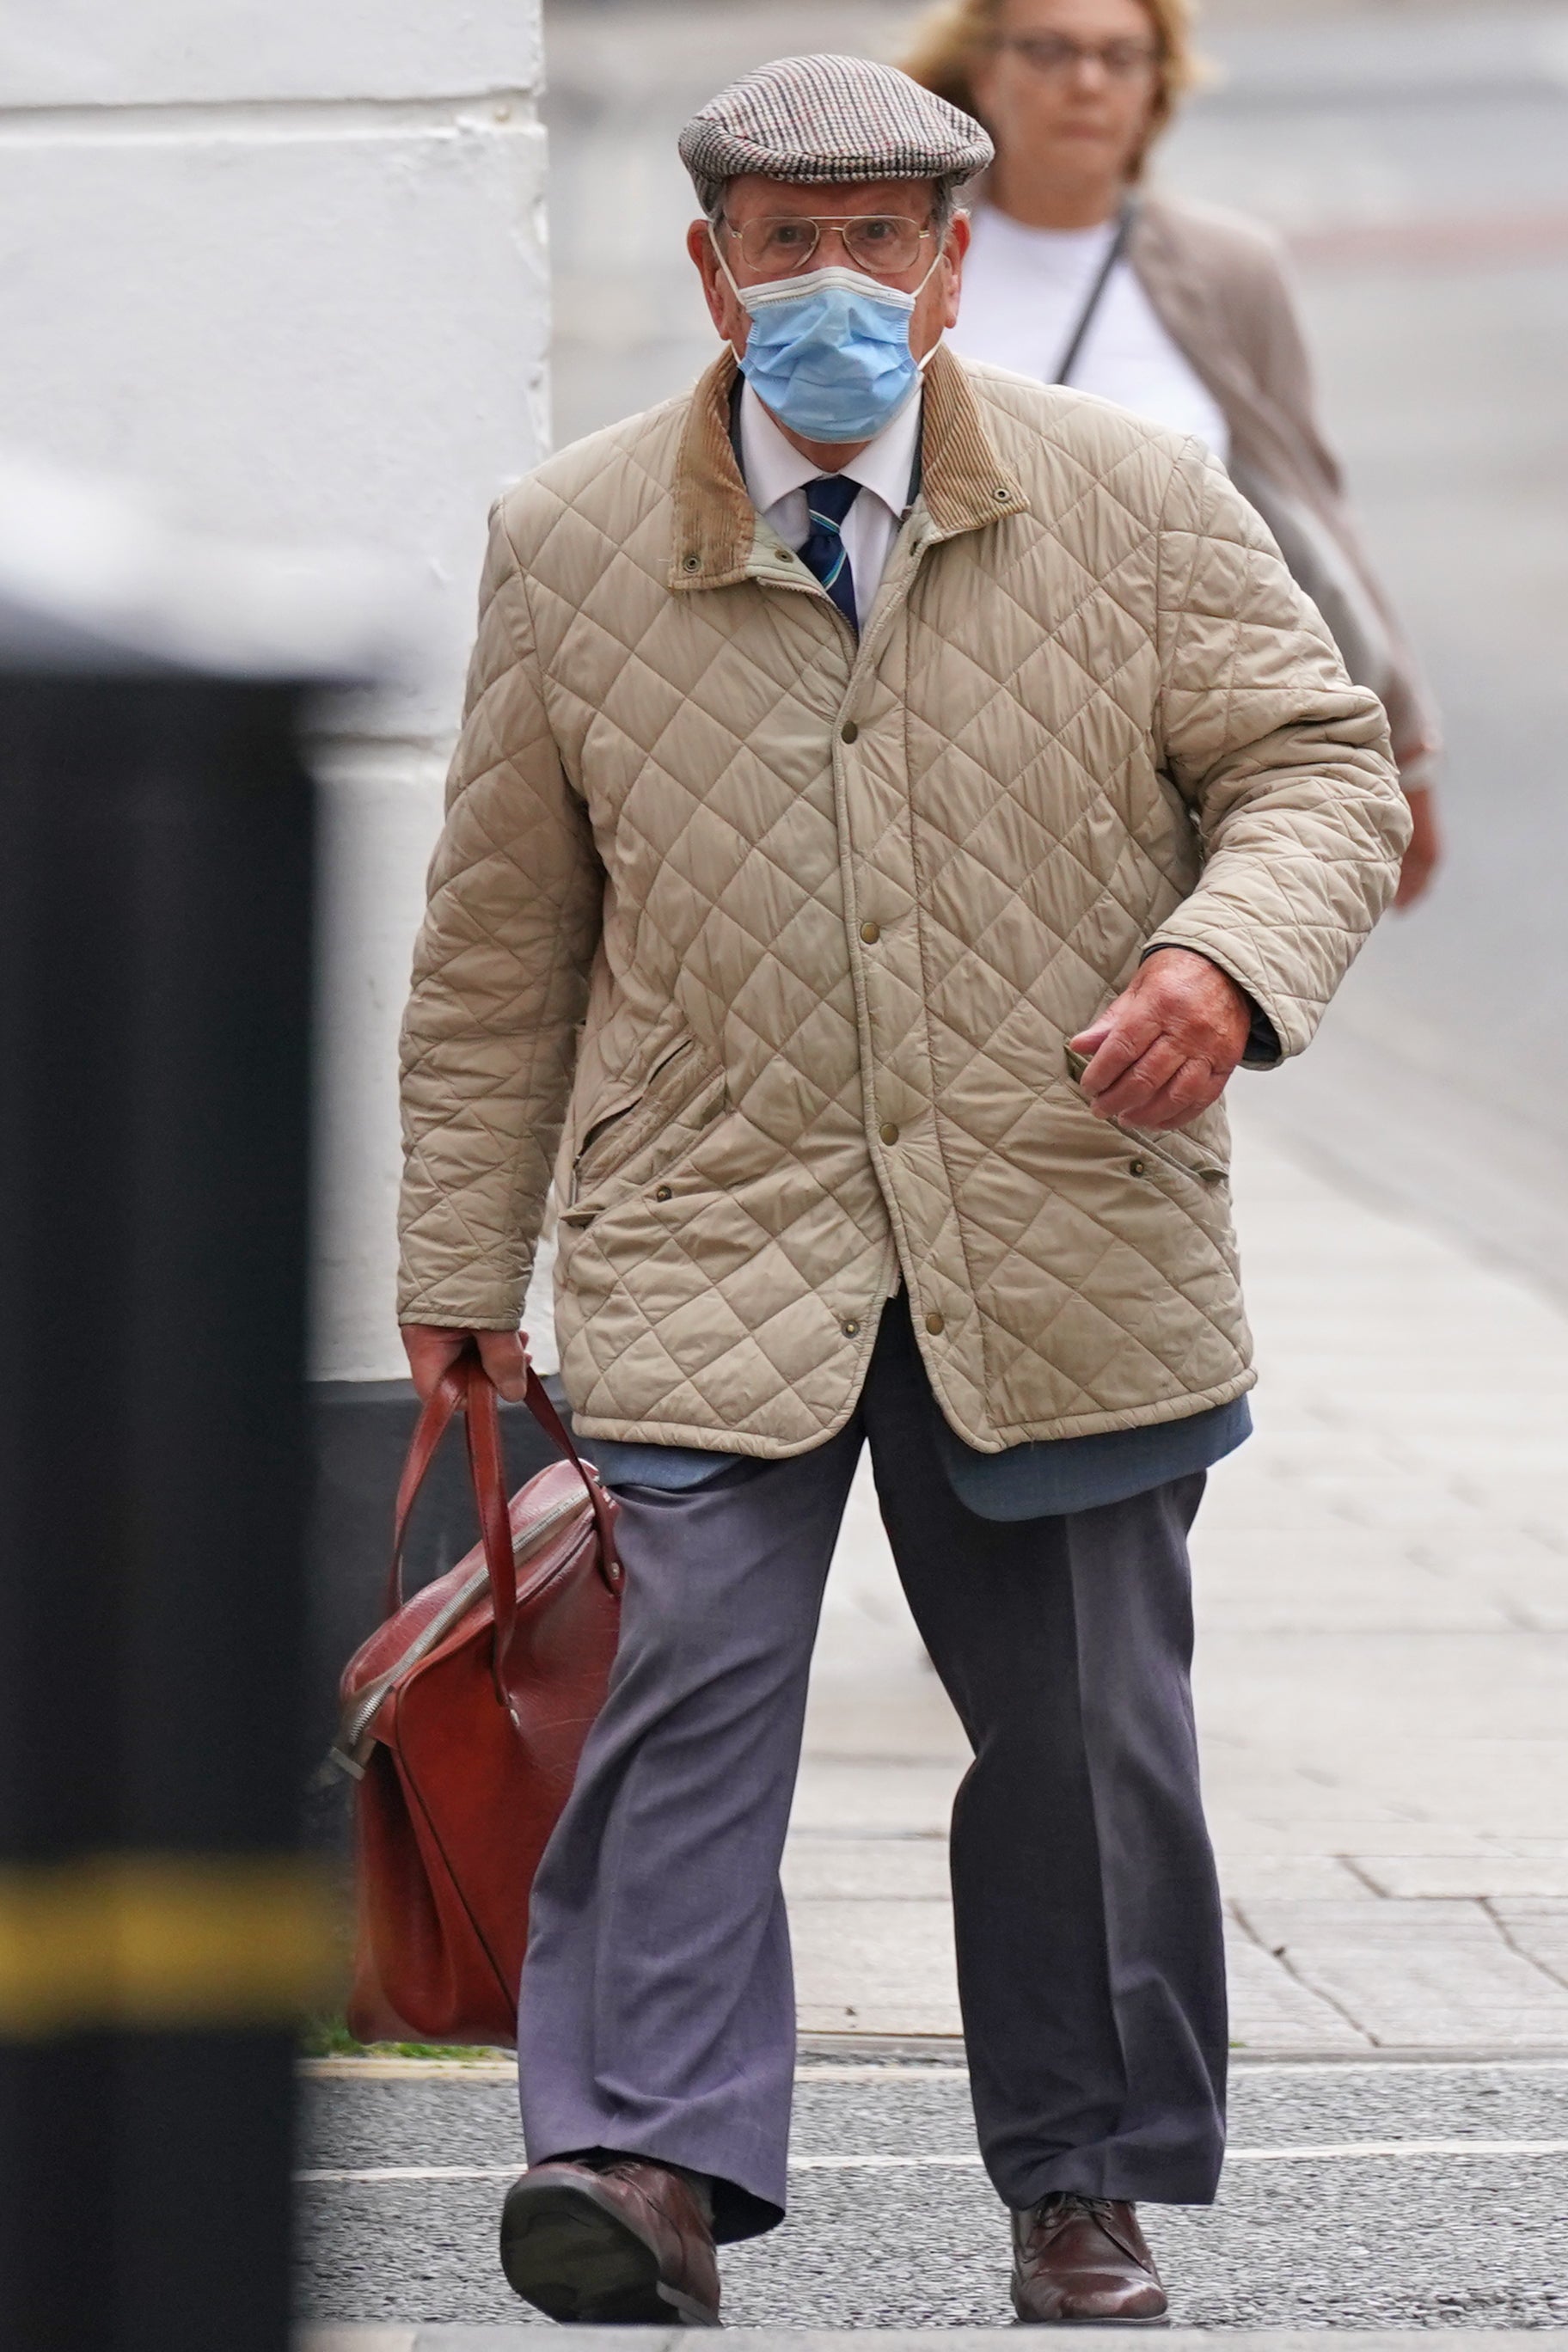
(656, 2015)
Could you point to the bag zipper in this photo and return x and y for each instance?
(351, 1750)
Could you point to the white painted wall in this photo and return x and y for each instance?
(286, 265)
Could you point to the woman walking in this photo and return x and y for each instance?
(1079, 274)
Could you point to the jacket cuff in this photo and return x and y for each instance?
(462, 1308)
(456, 1322)
(1266, 1048)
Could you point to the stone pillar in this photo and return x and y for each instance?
(285, 264)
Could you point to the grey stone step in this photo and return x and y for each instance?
(949, 2340)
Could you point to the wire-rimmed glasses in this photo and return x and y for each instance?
(1056, 55)
(884, 244)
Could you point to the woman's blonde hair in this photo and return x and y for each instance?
(948, 44)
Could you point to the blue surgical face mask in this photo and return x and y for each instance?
(829, 353)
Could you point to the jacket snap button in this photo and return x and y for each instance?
(888, 1132)
(664, 1193)
(848, 731)
(935, 1324)
(1139, 1167)
(1002, 491)
(870, 933)
(692, 563)
(852, 1329)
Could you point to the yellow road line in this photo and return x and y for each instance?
(161, 1942)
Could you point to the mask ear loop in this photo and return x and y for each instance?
(920, 289)
(719, 257)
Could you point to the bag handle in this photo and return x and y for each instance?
(465, 1387)
(445, 1399)
(600, 1501)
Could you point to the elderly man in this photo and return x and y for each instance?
(893, 799)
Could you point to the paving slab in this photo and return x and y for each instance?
(1432, 1972)
(1272, 2008)
(1305, 1877)
(1539, 1931)
(889, 1961)
(859, 1869)
(838, 1795)
(1431, 1877)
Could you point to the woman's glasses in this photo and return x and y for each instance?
(1054, 55)
(885, 244)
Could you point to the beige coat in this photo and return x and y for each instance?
(832, 910)
(1218, 284)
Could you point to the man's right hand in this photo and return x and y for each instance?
(432, 1346)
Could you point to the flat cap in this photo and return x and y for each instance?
(825, 119)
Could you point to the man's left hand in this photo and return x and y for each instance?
(1166, 1048)
(1424, 853)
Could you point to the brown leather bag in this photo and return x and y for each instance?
(463, 1720)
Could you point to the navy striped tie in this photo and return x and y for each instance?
(828, 499)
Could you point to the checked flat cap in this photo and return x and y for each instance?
(826, 118)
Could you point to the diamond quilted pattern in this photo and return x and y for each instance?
(1093, 714)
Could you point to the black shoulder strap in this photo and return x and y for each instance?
(1097, 292)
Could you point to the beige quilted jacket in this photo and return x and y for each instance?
(791, 931)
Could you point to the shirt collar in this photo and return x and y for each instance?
(775, 467)
(963, 485)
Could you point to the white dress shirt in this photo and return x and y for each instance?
(776, 475)
(1024, 293)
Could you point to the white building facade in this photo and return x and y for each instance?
(285, 266)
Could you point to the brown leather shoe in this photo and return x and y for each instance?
(623, 2243)
(1082, 2262)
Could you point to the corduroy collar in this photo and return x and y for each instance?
(963, 487)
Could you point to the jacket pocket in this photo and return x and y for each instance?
(1196, 1157)
(1180, 1151)
(681, 1095)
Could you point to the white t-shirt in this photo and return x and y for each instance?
(1024, 293)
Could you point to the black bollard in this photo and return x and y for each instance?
(159, 1932)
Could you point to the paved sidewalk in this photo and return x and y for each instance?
(1383, 1682)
